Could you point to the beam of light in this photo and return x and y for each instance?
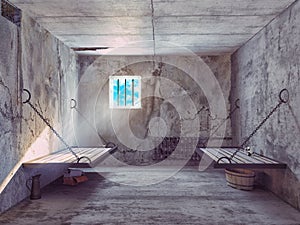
(40, 147)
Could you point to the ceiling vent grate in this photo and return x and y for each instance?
(11, 12)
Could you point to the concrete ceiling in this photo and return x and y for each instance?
(137, 26)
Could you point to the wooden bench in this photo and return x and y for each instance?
(240, 160)
(95, 154)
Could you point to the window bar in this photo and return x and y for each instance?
(118, 89)
(125, 92)
(132, 91)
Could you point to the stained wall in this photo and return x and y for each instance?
(170, 98)
(260, 70)
(32, 58)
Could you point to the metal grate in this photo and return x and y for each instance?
(11, 12)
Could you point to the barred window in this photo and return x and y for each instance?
(125, 92)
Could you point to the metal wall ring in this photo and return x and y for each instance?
(73, 103)
(29, 96)
(224, 157)
(237, 103)
(110, 145)
(284, 98)
(84, 157)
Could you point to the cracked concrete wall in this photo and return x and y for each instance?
(32, 58)
(10, 107)
(94, 116)
(261, 68)
(50, 74)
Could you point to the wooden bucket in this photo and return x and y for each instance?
(241, 179)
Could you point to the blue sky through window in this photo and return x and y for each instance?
(129, 92)
(125, 92)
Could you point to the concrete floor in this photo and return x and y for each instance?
(190, 197)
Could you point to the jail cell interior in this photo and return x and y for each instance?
(214, 85)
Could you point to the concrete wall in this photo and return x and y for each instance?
(261, 68)
(10, 106)
(31, 58)
(95, 118)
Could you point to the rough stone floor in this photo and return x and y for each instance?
(189, 197)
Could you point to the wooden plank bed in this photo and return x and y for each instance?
(95, 154)
(240, 160)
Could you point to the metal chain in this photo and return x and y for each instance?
(74, 106)
(52, 129)
(228, 117)
(281, 101)
(262, 123)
